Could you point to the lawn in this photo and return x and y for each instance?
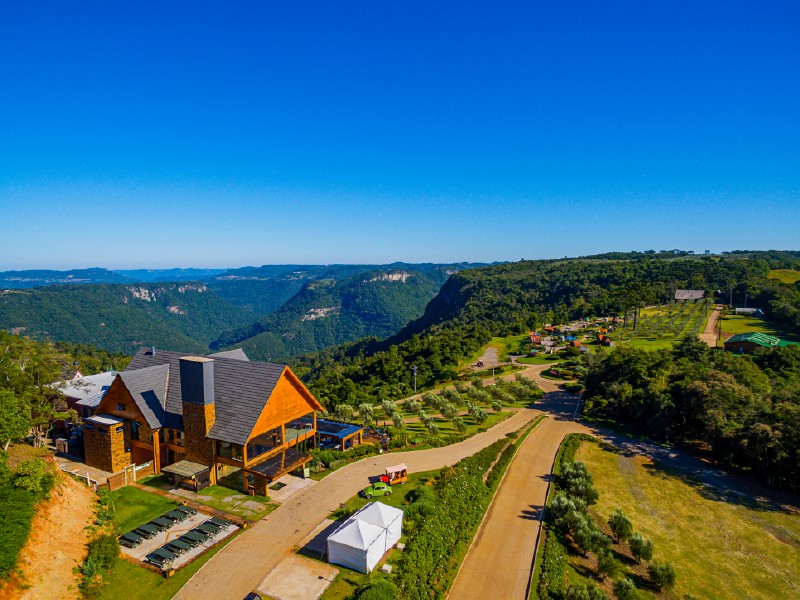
(219, 497)
(733, 324)
(789, 276)
(540, 359)
(347, 581)
(134, 507)
(132, 582)
(720, 547)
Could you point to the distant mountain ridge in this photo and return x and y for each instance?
(10, 280)
(326, 312)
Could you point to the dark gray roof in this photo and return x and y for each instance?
(690, 294)
(236, 354)
(241, 390)
(148, 387)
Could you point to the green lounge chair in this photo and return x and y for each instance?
(220, 522)
(192, 541)
(186, 509)
(200, 536)
(165, 553)
(209, 529)
(178, 546)
(162, 523)
(130, 539)
(176, 516)
(147, 531)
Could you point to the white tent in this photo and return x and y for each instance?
(365, 537)
(385, 517)
(357, 545)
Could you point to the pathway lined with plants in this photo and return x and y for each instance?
(709, 335)
(505, 544)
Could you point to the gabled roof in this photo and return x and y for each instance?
(86, 387)
(356, 534)
(148, 387)
(754, 337)
(690, 294)
(241, 391)
(378, 513)
(236, 354)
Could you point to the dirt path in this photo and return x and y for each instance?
(57, 543)
(502, 553)
(709, 335)
(257, 551)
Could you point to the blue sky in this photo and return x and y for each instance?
(197, 134)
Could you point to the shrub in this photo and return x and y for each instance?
(30, 474)
(554, 568)
(620, 525)
(641, 547)
(662, 575)
(624, 589)
(590, 592)
(104, 549)
(380, 589)
(607, 565)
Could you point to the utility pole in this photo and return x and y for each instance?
(414, 371)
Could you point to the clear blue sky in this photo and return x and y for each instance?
(229, 133)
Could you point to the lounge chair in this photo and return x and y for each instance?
(193, 541)
(176, 516)
(186, 509)
(195, 534)
(178, 546)
(147, 531)
(156, 560)
(162, 523)
(165, 553)
(211, 530)
(220, 522)
(130, 539)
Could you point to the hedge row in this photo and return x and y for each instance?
(432, 557)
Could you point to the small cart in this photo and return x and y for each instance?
(395, 475)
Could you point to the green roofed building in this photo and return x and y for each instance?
(748, 342)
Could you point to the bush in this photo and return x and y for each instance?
(380, 589)
(662, 575)
(104, 549)
(607, 565)
(554, 568)
(641, 547)
(590, 592)
(30, 474)
(624, 589)
(620, 525)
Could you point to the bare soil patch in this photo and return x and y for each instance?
(56, 545)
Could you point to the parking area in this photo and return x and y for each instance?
(148, 546)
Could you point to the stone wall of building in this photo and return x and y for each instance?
(197, 421)
(105, 447)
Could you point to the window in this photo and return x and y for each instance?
(134, 430)
(120, 407)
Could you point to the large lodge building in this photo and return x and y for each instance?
(203, 418)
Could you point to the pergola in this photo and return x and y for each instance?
(189, 474)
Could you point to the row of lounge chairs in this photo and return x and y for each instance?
(134, 538)
(164, 556)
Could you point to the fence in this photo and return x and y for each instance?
(128, 475)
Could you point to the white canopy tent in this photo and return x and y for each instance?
(365, 537)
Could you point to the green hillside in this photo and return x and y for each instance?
(121, 318)
(328, 312)
(10, 280)
(509, 299)
(265, 289)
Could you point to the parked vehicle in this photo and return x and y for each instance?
(396, 474)
(377, 489)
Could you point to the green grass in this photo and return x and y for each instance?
(133, 582)
(733, 324)
(546, 359)
(721, 548)
(789, 276)
(217, 496)
(134, 507)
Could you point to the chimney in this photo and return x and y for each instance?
(197, 379)
(199, 410)
(152, 350)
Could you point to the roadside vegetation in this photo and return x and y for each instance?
(443, 509)
(744, 407)
(22, 487)
(721, 545)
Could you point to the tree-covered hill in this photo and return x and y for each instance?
(10, 280)
(265, 289)
(327, 312)
(121, 318)
(514, 298)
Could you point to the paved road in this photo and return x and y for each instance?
(242, 565)
(502, 553)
